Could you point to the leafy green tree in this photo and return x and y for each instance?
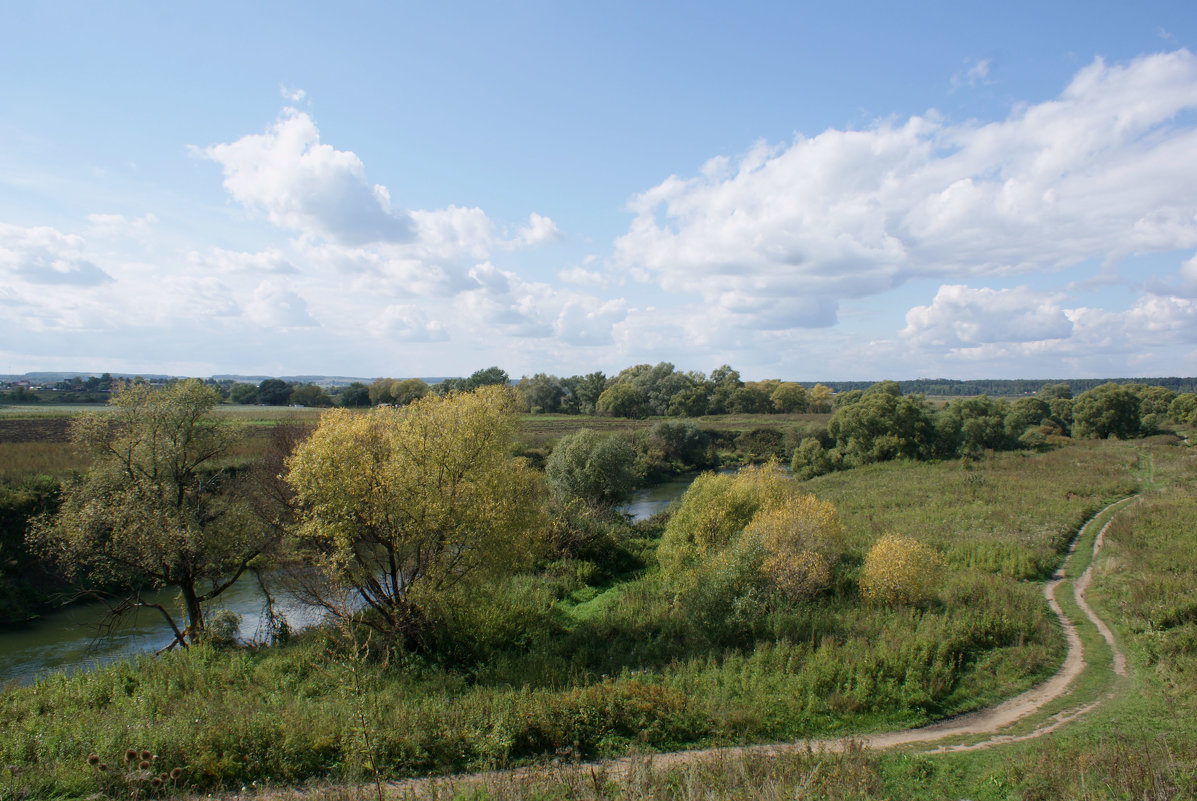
(848, 398)
(243, 394)
(622, 400)
(380, 391)
(582, 392)
(401, 506)
(310, 395)
(354, 396)
(274, 392)
(1026, 413)
(408, 391)
(689, 402)
(881, 426)
(670, 447)
(973, 425)
(155, 507)
(789, 398)
(1109, 410)
(721, 384)
(485, 378)
(1155, 400)
(811, 459)
(543, 393)
(752, 398)
(1183, 408)
(885, 388)
(1060, 390)
(594, 467)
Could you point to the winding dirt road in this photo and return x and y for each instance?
(987, 724)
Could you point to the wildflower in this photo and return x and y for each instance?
(176, 774)
(93, 759)
(130, 754)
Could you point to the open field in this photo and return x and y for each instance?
(1130, 736)
(34, 439)
(549, 664)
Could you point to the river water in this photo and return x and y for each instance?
(75, 638)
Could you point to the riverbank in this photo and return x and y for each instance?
(547, 663)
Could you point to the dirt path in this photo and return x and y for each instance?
(990, 721)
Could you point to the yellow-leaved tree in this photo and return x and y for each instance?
(400, 505)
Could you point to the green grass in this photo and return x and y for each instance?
(1140, 743)
(547, 665)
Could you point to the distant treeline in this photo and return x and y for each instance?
(1010, 388)
(639, 391)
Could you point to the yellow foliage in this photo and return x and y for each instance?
(801, 539)
(899, 569)
(713, 513)
(405, 502)
(758, 521)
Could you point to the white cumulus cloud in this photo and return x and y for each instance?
(783, 234)
(43, 255)
(305, 185)
(960, 316)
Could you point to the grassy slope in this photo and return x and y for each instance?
(617, 667)
(1141, 743)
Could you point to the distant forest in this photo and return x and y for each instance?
(1010, 388)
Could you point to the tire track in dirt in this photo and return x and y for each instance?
(990, 721)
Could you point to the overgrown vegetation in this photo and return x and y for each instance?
(590, 653)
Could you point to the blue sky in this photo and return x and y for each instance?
(841, 191)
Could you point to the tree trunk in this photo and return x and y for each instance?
(195, 613)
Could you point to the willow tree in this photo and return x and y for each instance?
(157, 507)
(401, 505)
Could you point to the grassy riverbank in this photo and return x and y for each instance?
(590, 657)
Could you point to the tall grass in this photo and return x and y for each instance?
(546, 666)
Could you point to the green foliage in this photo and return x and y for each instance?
(594, 467)
(622, 400)
(1183, 408)
(155, 507)
(811, 459)
(1110, 410)
(243, 393)
(310, 395)
(354, 396)
(971, 426)
(789, 398)
(274, 392)
(882, 426)
(26, 582)
(736, 540)
(574, 661)
(671, 447)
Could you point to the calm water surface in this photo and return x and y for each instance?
(74, 638)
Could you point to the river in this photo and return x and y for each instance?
(74, 638)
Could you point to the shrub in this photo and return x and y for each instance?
(801, 541)
(594, 467)
(900, 570)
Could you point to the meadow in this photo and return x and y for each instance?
(590, 656)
